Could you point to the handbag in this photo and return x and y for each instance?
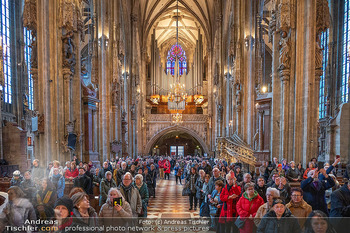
(186, 190)
(239, 222)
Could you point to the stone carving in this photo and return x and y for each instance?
(216, 74)
(272, 25)
(116, 146)
(322, 24)
(94, 63)
(238, 94)
(284, 49)
(30, 15)
(70, 126)
(133, 112)
(71, 15)
(285, 17)
(88, 91)
(220, 109)
(68, 52)
(41, 123)
(115, 95)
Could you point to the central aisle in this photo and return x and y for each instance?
(169, 202)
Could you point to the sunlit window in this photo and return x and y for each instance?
(27, 51)
(5, 41)
(322, 97)
(346, 54)
(176, 51)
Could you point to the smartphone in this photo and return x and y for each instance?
(117, 201)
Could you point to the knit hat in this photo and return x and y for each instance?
(65, 201)
(279, 165)
(278, 201)
(78, 197)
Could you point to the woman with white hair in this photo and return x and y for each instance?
(143, 190)
(271, 193)
(111, 212)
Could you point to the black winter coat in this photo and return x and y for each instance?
(287, 224)
(340, 208)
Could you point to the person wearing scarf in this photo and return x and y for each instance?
(143, 190)
(58, 182)
(106, 184)
(247, 206)
(44, 200)
(63, 211)
(131, 194)
(83, 213)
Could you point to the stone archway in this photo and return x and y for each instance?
(167, 130)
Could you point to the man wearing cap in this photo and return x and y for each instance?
(279, 219)
(63, 211)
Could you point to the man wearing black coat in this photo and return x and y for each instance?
(261, 187)
(83, 181)
(340, 208)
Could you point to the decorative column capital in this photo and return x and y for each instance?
(67, 74)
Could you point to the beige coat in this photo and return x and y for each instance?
(300, 210)
(260, 213)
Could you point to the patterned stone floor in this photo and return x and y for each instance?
(169, 201)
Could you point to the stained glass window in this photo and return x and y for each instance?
(322, 97)
(346, 46)
(27, 51)
(176, 51)
(5, 42)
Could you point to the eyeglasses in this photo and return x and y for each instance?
(296, 195)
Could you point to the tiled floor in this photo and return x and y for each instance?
(169, 202)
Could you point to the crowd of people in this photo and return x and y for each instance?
(275, 197)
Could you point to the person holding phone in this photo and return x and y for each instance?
(111, 211)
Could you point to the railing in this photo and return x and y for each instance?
(235, 147)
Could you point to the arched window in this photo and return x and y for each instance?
(27, 51)
(5, 42)
(176, 51)
(346, 63)
(322, 97)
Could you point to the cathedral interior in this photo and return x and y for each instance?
(244, 80)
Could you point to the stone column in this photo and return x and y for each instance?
(261, 127)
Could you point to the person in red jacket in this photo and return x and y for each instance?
(229, 196)
(71, 172)
(247, 206)
(167, 169)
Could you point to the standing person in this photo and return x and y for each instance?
(58, 182)
(72, 172)
(103, 170)
(83, 181)
(177, 172)
(204, 207)
(131, 194)
(17, 210)
(191, 182)
(261, 187)
(153, 173)
(84, 215)
(298, 206)
(106, 184)
(293, 174)
(314, 189)
(317, 222)
(340, 208)
(271, 194)
(216, 176)
(247, 206)
(238, 174)
(44, 200)
(215, 204)
(229, 196)
(247, 178)
(121, 172)
(16, 178)
(143, 191)
(149, 182)
(37, 171)
(28, 186)
(161, 168)
(114, 215)
(279, 220)
(199, 185)
(167, 169)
